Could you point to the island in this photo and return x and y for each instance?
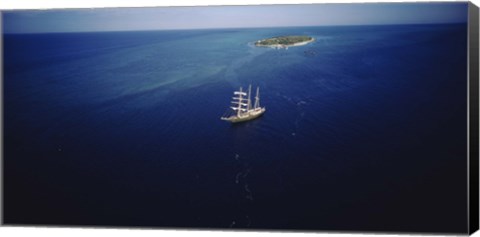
(285, 41)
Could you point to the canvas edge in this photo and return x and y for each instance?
(473, 140)
(473, 110)
(2, 209)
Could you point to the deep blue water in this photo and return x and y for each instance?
(368, 132)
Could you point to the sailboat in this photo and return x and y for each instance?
(242, 106)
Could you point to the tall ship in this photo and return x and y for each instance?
(242, 106)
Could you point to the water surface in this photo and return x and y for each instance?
(368, 132)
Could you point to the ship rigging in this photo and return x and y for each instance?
(242, 106)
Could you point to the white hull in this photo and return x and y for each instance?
(250, 115)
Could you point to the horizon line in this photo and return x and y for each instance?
(225, 28)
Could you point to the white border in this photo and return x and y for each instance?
(93, 232)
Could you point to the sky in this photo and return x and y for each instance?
(168, 18)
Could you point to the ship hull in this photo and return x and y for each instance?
(252, 115)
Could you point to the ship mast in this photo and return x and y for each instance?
(239, 101)
(249, 103)
(257, 99)
(239, 110)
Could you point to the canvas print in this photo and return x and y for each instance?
(310, 117)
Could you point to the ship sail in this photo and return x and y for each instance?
(242, 106)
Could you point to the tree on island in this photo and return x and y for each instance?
(284, 40)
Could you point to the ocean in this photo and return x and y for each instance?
(365, 129)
